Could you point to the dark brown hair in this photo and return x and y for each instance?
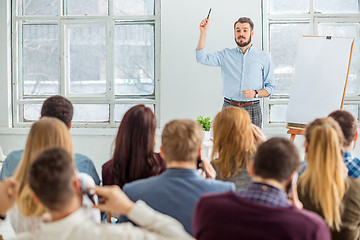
(134, 147)
(245, 20)
(58, 107)
(277, 159)
(347, 123)
(51, 176)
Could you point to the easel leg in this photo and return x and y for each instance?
(292, 137)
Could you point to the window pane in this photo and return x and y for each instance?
(88, 7)
(278, 113)
(289, 6)
(353, 109)
(121, 109)
(40, 59)
(91, 113)
(134, 7)
(32, 112)
(347, 30)
(87, 60)
(337, 6)
(134, 60)
(40, 7)
(283, 53)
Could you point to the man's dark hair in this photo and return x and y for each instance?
(347, 123)
(51, 176)
(58, 107)
(245, 20)
(277, 159)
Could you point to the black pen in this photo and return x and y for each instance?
(209, 14)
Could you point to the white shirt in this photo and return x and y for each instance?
(79, 225)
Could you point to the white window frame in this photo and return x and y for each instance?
(109, 97)
(313, 18)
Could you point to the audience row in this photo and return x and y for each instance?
(252, 188)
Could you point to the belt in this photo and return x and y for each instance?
(240, 104)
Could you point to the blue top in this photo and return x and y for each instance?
(83, 164)
(252, 70)
(351, 162)
(265, 194)
(174, 193)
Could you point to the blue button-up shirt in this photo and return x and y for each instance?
(252, 70)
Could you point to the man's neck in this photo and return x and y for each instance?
(70, 208)
(186, 164)
(243, 49)
(271, 182)
(350, 147)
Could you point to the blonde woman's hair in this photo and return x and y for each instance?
(45, 133)
(324, 177)
(233, 141)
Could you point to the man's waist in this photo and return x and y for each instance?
(240, 103)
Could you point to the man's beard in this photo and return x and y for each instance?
(244, 43)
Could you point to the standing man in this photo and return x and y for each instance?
(247, 72)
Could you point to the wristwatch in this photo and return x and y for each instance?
(256, 94)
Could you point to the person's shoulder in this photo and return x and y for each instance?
(17, 154)
(82, 157)
(144, 184)
(353, 186)
(218, 184)
(307, 217)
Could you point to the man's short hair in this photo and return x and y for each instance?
(181, 140)
(58, 107)
(51, 176)
(276, 159)
(245, 20)
(347, 123)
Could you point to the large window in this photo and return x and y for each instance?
(284, 22)
(103, 55)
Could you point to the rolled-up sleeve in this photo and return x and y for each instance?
(269, 79)
(210, 59)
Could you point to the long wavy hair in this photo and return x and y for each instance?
(45, 133)
(324, 177)
(233, 141)
(133, 156)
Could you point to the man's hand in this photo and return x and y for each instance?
(259, 136)
(8, 190)
(113, 199)
(204, 25)
(249, 93)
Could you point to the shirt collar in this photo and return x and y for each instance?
(248, 50)
(348, 155)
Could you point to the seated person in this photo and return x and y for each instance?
(263, 211)
(324, 187)
(176, 191)
(62, 109)
(52, 178)
(348, 125)
(232, 127)
(45, 133)
(134, 156)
